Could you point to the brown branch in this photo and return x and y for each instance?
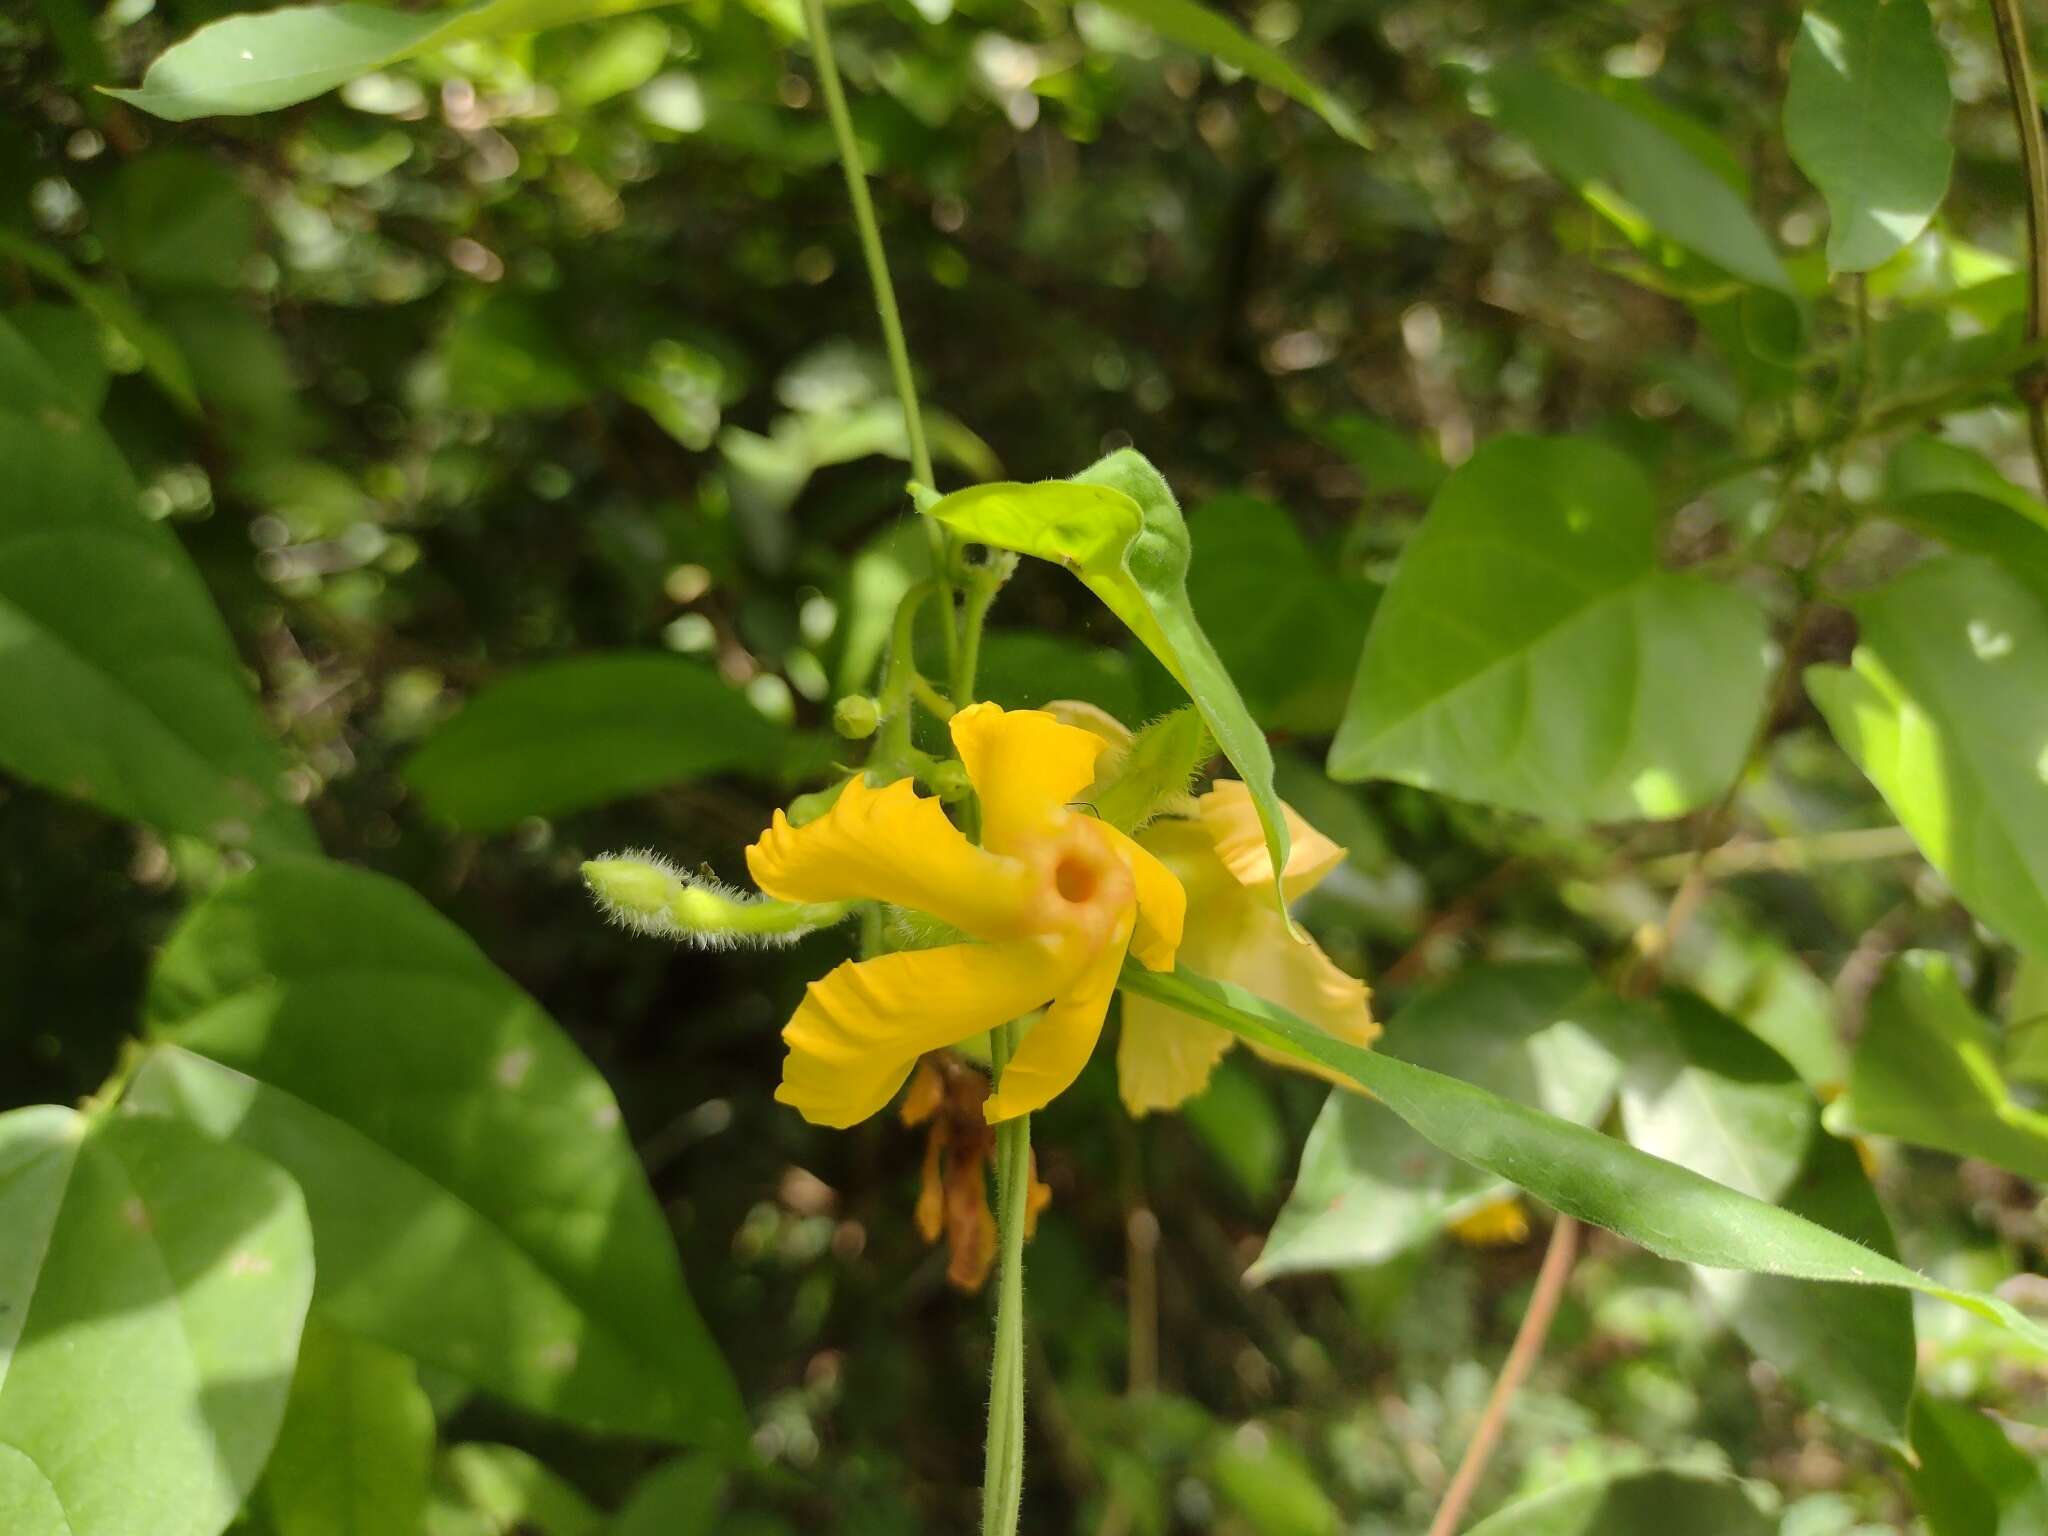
(1522, 1356)
(2026, 108)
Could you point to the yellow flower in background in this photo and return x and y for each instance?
(1234, 933)
(1051, 901)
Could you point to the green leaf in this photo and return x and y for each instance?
(1633, 168)
(1671, 1211)
(152, 1290)
(1954, 494)
(1531, 654)
(477, 1203)
(1705, 1093)
(1632, 1503)
(1205, 31)
(259, 62)
(1866, 118)
(67, 339)
(1926, 1071)
(569, 734)
(178, 219)
(357, 1446)
(513, 1492)
(1287, 628)
(1272, 1485)
(1968, 1479)
(1117, 527)
(1369, 1188)
(1942, 708)
(118, 683)
(678, 1498)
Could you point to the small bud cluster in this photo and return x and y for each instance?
(648, 894)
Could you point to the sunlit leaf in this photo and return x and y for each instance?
(511, 1491)
(152, 1290)
(1531, 654)
(1672, 1211)
(476, 1201)
(1866, 117)
(264, 60)
(1955, 494)
(357, 1443)
(1942, 708)
(1926, 1071)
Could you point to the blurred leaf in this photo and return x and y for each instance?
(161, 359)
(357, 1443)
(1672, 1211)
(504, 355)
(1288, 629)
(2026, 1021)
(1624, 162)
(1866, 118)
(152, 1291)
(1117, 527)
(1955, 494)
(515, 1495)
(178, 219)
(564, 735)
(1394, 462)
(1970, 1479)
(1028, 669)
(681, 1497)
(1270, 1484)
(270, 59)
(67, 339)
(1235, 1119)
(1631, 1504)
(1708, 1095)
(1206, 31)
(1942, 707)
(120, 687)
(623, 57)
(1926, 1071)
(1531, 654)
(476, 1201)
(1369, 1188)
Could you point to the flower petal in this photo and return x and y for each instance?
(1059, 1044)
(1025, 765)
(1233, 825)
(892, 845)
(861, 1027)
(1162, 902)
(1260, 955)
(1164, 1057)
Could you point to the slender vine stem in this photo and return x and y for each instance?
(1522, 1357)
(1002, 1489)
(2011, 22)
(885, 297)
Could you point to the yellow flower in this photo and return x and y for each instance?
(1051, 901)
(1234, 933)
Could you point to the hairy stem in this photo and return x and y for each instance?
(1522, 1357)
(2011, 22)
(1002, 1489)
(885, 295)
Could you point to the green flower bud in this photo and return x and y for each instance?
(856, 716)
(646, 893)
(1155, 770)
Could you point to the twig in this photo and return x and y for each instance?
(2026, 108)
(1785, 853)
(1522, 1356)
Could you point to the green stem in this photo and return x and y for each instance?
(885, 294)
(983, 583)
(1002, 1489)
(892, 745)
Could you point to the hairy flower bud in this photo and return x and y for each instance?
(648, 894)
